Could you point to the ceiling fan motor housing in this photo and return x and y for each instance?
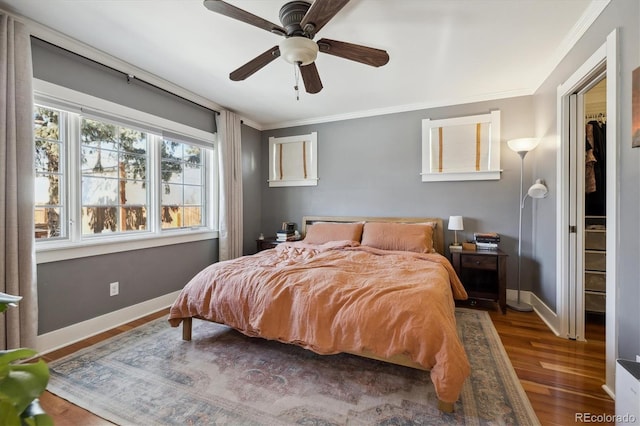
(291, 14)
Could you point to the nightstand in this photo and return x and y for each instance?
(267, 243)
(483, 274)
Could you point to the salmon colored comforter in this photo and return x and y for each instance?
(339, 297)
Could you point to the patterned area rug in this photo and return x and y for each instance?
(149, 376)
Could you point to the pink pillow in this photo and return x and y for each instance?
(417, 237)
(322, 232)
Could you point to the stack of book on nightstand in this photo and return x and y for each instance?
(486, 240)
(283, 235)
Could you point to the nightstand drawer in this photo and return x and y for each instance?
(483, 275)
(480, 262)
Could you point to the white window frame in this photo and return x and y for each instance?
(464, 170)
(63, 195)
(308, 145)
(75, 245)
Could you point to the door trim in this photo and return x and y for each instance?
(605, 56)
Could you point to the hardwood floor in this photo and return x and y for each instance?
(561, 377)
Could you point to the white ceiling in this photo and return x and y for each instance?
(442, 52)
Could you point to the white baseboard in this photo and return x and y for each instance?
(547, 314)
(65, 336)
(609, 392)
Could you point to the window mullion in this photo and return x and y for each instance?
(74, 190)
(155, 183)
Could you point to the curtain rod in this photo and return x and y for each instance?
(128, 76)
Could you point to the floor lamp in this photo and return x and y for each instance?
(537, 190)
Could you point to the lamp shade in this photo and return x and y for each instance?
(523, 144)
(455, 223)
(538, 190)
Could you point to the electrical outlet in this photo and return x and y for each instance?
(637, 358)
(114, 288)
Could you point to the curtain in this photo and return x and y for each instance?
(230, 206)
(18, 326)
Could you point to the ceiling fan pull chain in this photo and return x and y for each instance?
(296, 76)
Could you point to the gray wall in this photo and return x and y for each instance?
(64, 68)
(370, 167)
(76, 290)
(624, 15)
(252, 180)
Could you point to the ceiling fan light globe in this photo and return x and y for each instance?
(298, 50)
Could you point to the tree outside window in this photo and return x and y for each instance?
(182, 185)
(112, 175)
(49, 179)
(114, 164)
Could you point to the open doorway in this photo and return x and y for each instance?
(572, 226)
(594, 277)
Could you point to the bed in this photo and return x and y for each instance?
(374, 287)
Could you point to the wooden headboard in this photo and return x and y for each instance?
(438, 233)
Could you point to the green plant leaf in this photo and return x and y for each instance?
(8, 300)
(24, 383)
(7, 357)
(8, 414)
(21, 384)
(16, 354)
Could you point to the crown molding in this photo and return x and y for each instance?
(64, 41)
(398, 109)
(595, 8)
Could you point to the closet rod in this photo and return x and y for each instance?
(599, 116)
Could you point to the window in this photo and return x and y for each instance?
(183, 185)
(49, 179)
(114, 164)
(111, 176)
(293, 160)
(461, 148)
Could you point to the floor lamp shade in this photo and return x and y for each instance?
(455, 225)
(523, 144)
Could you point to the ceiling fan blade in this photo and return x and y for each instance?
(231, 11)
(354, 52)
(255, 64)
(320, 12)
(311, 78)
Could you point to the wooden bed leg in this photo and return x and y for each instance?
(445, 407)
(186, 329)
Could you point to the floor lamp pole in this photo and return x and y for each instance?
(518, 305)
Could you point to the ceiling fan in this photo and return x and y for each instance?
(301, 21)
